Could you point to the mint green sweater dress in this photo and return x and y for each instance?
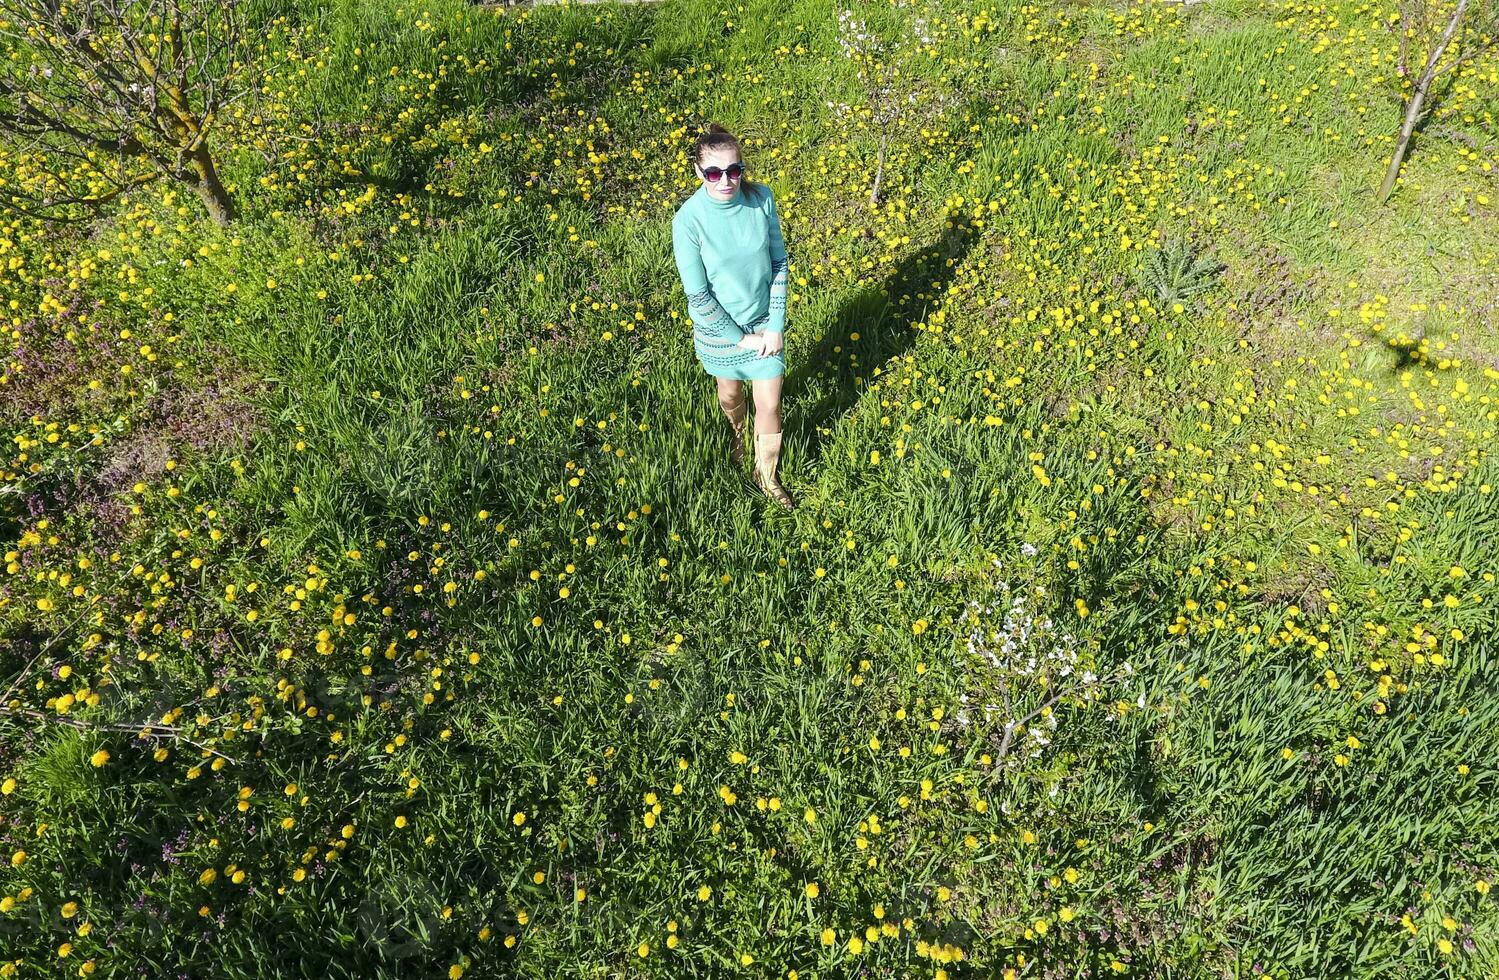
(732, 260)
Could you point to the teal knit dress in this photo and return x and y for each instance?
(732, 260)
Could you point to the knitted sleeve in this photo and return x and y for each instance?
(779, 273)
(708, 316)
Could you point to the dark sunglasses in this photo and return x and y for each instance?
(735, 171)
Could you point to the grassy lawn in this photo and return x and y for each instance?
(381, 601)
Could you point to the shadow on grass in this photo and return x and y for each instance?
(1403, 353)
(885, 319)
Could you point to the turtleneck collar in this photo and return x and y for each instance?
(732, 202)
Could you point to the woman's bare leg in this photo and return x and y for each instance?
(767, 392)
(730, 396)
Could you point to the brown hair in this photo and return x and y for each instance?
(718, 138)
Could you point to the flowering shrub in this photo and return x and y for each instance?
(1029, 670)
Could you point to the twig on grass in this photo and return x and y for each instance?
(147, 730)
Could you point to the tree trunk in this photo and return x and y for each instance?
(879, 171)
(1413, 111)
(1412, 114)
(210, 189)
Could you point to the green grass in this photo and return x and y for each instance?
(453, 379)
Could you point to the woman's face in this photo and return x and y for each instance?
(726, 187)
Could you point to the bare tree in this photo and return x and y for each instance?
(106, 95)
(896, 99)
(1023, 670)
(1418, 25)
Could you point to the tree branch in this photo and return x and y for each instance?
(146, 730)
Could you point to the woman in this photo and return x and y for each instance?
(732, 260)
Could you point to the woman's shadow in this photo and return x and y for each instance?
(836, 370)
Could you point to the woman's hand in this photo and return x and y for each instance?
(773, 343)
(754, 342)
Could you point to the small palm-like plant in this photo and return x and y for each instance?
(1174, 272)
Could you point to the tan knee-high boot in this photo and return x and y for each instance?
(767, 456)
(737, 417)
